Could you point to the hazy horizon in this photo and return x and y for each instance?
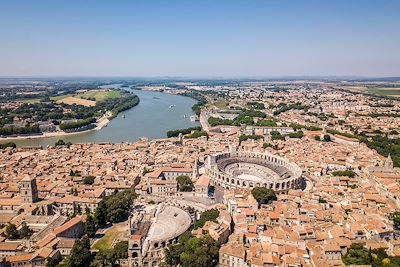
(202, 39)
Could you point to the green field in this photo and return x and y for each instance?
(99, 95)
(390, 91)
(31, 101)
(60, 97)
(94, 95)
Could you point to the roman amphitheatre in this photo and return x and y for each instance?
(243, 169)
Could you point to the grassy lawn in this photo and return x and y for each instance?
(221, 104)
(106, 242)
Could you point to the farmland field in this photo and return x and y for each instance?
(70, 100)
(88, 98)
(99, 95)
(390, 91)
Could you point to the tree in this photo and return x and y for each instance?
(121, 250)
(12, 145)
(90, 226)
(327, 138)
(25, 231)
(118, 206)
(53, 262)
(105, 258)
(322, 200)
(185, 184)
(193, 251)
(395, 217)
(80, 254)
(100, 215)
(298, 134)
(11, 231)
(245, 137)
(110, 257)
(208, 215)
(79, 209)
(275, 135)
(88, 180)
(60, 142)
(263, 195)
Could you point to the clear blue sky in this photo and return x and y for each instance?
(199, 38)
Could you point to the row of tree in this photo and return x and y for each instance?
(245, 137)
(77, 124)
(175, 133)
(19, 130)
(10, 144)
(246, 117)
(196, 134)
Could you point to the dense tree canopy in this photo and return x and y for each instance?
(185, 184)
(77, 124)
(25, 231)
(192, 251)
(395, 217)
(110, 257)
(3, 146)
(100, 215)
(263, 195)
(80, 254)
(275, 135)
(246, 117)
(196, 134)
(88, 180)
(357, 254)
(175, 133)
(297, 134)
(11, 231)
(208, 215)
(245, 137)
(90, 226)
(118, 206)
(256, 105)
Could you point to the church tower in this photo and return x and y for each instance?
(388, 164)
(196, 169)
(135, 251)
(28, 190)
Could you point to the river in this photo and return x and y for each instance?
(152, 118)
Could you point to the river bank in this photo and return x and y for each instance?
(103, 121)
(152, 118)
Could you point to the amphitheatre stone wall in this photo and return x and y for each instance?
(243, 169)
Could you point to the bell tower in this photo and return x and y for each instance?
(28, 190)
(135, 250)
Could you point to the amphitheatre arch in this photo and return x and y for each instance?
(243, 169)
